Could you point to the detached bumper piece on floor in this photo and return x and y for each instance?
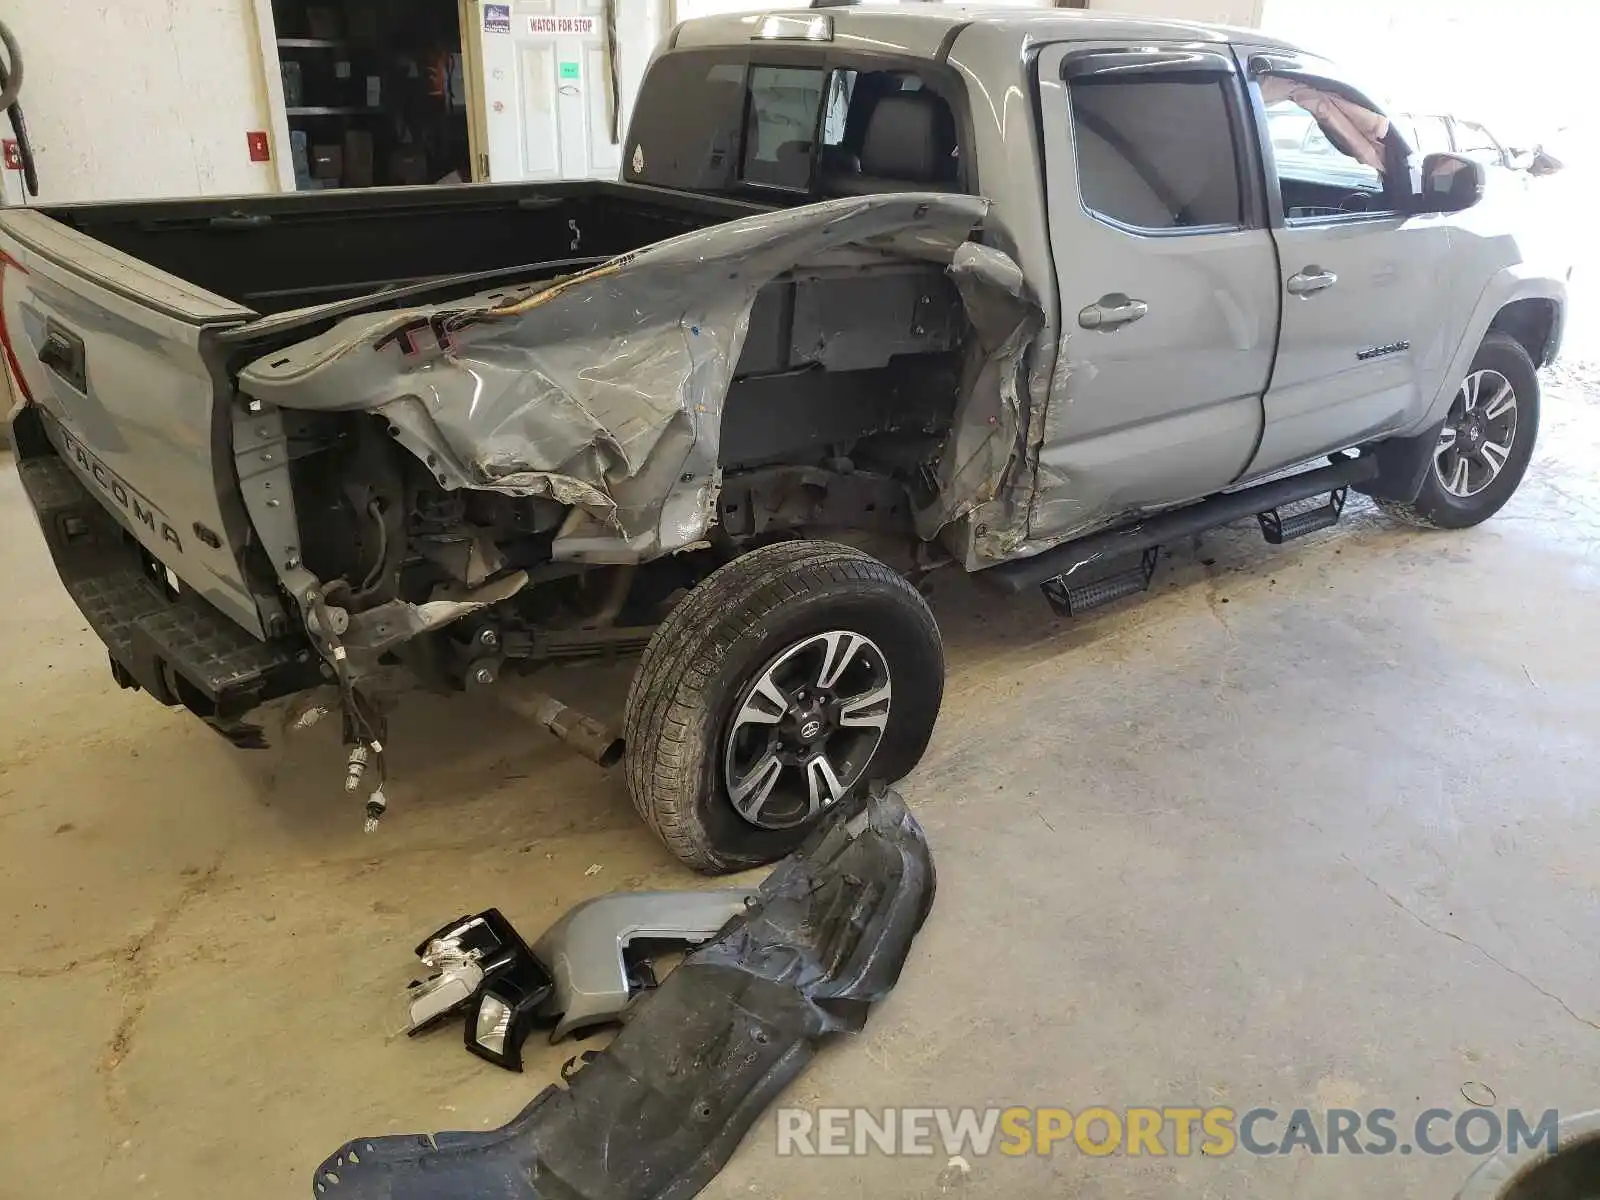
(661, 1109)
(593, 980)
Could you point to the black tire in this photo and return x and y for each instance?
(719, 640)
(1436, 507)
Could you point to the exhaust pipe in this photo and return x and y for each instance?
(592, 738)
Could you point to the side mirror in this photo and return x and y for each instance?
(1450, 184)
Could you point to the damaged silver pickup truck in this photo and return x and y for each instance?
(881, 290)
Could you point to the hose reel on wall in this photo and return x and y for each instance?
(10, 90)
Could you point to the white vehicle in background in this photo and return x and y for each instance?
(1431, 133)
(1302, 148)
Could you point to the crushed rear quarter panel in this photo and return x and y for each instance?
(604, 391)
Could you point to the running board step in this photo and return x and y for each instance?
(1278, 526)
(1168, 528)
(1071, 600)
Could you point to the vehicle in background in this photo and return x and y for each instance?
(1302, 149)
(1445, 134)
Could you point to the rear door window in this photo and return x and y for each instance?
(1157, 153)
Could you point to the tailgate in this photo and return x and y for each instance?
(112, 351)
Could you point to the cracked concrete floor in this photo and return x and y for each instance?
(1312, 826)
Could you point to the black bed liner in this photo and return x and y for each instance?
(278, 252)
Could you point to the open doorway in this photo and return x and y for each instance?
(373, 91)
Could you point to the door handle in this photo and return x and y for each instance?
(1312, 279)
(1109, 312)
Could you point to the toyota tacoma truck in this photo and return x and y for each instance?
(881, 290)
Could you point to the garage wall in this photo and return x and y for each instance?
(1522, 72)
(641, 24)
(130, 98)
(1222, 12)
(145, 98)
(1219, 12)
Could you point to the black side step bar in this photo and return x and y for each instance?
(1097, 549)
(1074, 601)
(1278, 527)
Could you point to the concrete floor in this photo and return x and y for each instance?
(1313, 826)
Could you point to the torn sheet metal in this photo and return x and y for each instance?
(604, 391)
(662, 1108)
(982, 456)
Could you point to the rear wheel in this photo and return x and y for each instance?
(1486, 443)
(772, 694)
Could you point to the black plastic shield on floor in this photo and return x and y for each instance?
(661, 1109)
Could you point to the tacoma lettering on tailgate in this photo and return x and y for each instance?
(118, 492)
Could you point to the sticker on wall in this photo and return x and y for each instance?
(569, 70)
(497, 18)
(564, 26)
(638, 159)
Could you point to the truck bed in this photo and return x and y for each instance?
(126, 323)
(148, 334)
(269, 254)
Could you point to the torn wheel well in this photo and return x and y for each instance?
(834, 357)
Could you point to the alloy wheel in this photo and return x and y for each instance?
(806, 727)
(1478, 434)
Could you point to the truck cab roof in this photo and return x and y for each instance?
(928, 30)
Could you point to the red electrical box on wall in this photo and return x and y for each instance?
(260, 149)
(11, 155)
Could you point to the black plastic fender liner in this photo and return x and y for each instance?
(662, 1108)
(1403, 465)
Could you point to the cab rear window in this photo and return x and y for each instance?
(686, 128)
(780, 127)
(764, 129)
